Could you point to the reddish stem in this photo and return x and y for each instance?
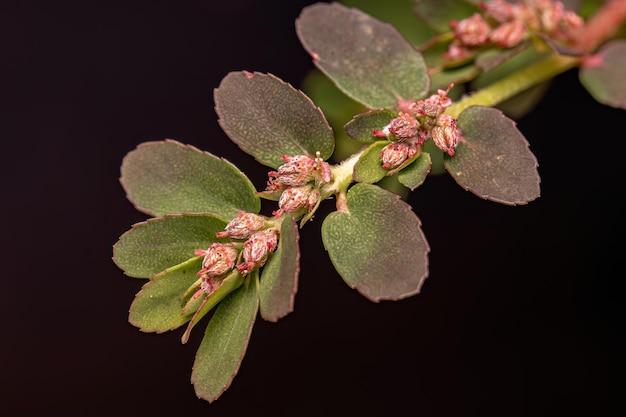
(602, 25)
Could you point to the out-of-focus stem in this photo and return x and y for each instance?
(515, 83)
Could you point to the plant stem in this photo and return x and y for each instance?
(515, 83)
(342, 176)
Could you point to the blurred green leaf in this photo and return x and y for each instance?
(279, 279)
(604, 75)
(169, 177)
(519, 105)
(439, 13)
(442, 79)
(367, 59)
(414, 175)
(361, 126)
(157, 307)
(377, 245)
(151, 246)
(493, 160)
(268, 118)
(400, 14)
(225, 341)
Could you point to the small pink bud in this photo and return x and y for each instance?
(404, 126)
(434, 105)
(242, 226)
(296, 198)
(500, 10)
(446, 134)
(219, 258)
(257, 249)
(550, 14)
(472, 31)
(456, 52)
(508, 34)
(396, 153)
(297, 171)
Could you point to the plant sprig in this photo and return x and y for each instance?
(208, 248)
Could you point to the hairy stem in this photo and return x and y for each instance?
(515, 83)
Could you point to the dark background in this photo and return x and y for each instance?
(517, 318)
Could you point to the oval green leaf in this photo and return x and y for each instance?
(366, 58)
(604, 75)
(493, 160)
(369, 169)
(168, 177)
(439, 13)
(158, 306)
(229, 284)
(225, 341)
(415, 174)
(377, 244)
(361, 126)
(151, 246)
(268, 118)
(279, 279)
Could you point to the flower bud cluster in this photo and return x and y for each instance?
(219, 259)
(416, 122)
(257, 249)
(299, 179)
(506, 24)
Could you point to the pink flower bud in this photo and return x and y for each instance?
(550, 14)
(472, 31)
(219, 258)
(297, 171)
(446, 134)
(257, 249)
(569, 25)
(456, 52)
(434, 105)
(404, 126)
(508, 34)
(500, 10)
(242, 226)
(396, 153)
(293, 199)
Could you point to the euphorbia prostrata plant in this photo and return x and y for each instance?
(208, 248)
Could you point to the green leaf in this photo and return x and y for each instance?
(442, 79)
(279, 279)
(436, 157)
(158, 306)
(225, 341)
(369, 169)
(169, 177)
(604, 75)
(361, 126)
(338, 107)
(268, 118)
(439, 13)
(367, 59)
(229, 284)
(151, 246)
(399, 14)
(523, 103)
(414, 175)
(491, 58)
(493, 160)
(377, 245)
